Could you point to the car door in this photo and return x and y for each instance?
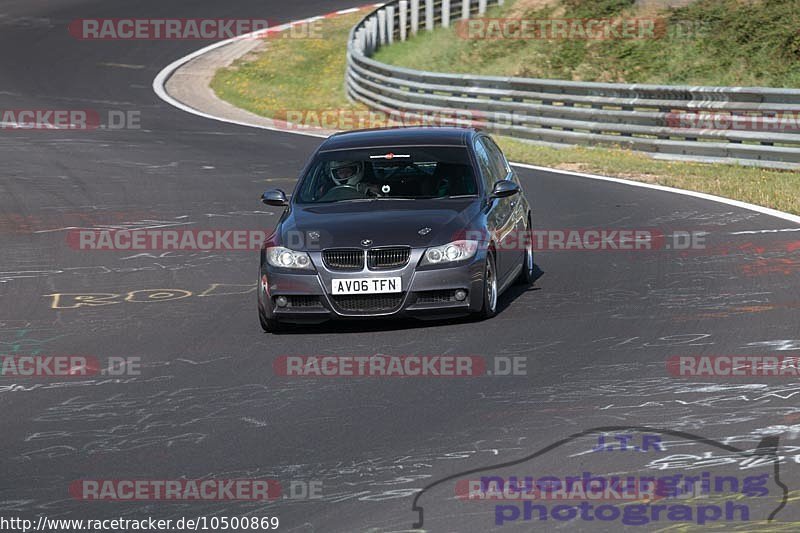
(499, 217)
(518, 207)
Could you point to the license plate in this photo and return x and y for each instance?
(365, 286)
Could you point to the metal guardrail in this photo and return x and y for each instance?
(658, 119)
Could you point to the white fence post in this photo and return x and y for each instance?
(390, 24)
(445, 13)
(361, 44)
(429, 15)
(403, 19)
(381, 27)
(465, 9)
(372, 28)
(414, 16)
(481, 7)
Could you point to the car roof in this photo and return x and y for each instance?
(403, 136)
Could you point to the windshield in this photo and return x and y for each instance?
(394, 173)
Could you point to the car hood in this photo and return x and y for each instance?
(415, 223)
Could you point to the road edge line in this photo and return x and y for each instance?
(704, 196)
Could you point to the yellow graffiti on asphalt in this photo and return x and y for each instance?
(73, 300)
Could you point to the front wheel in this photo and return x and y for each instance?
(269, 325)
(490, 295)
(526, 276)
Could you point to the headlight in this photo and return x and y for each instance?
(281, 257)
(449, 253)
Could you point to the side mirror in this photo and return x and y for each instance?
(504, 188)
(275, 197)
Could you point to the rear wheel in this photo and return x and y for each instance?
(526, 276)
(490, 295)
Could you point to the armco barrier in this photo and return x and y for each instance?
(659, 119)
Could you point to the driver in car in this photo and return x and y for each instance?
(351, 173)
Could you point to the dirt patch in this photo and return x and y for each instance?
(523, 7)
(647, 178)
(572, 167)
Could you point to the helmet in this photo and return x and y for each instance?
(347, 172)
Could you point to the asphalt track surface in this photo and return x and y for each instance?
(595, 329)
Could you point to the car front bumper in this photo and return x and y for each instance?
(427, 292)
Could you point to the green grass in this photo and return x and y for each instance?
(291, 74)
(709, 42)
(308, 74)
(771, 188)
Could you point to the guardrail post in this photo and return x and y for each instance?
(365, 36)
(465, 9)
(390, 24)
(445, 13)
(361, 45)
(372, 31)
(381, 27)
(429, 15)
(414, 16)
(481, 7)
(403, 19)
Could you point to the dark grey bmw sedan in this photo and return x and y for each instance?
(425, 222)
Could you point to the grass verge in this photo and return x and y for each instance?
(291, 74)
(307, 74)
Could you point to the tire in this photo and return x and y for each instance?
(267, 324)
(490, 295)
(526, 275)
